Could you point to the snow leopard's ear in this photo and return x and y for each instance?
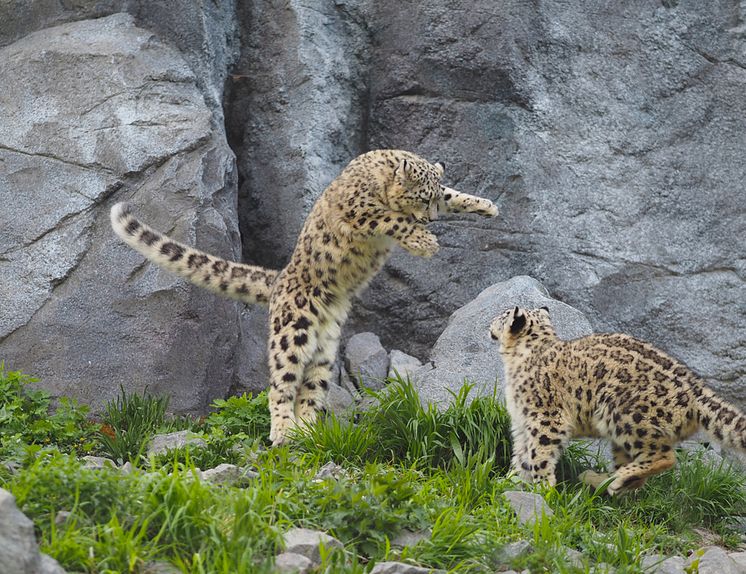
(440, 167)
(519, 321)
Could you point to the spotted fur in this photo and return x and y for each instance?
(603, 385)
(382, 198)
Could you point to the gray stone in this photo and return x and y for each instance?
(19, 553)
(714, 560)
(366, 360)
(127, 468)
(331, 470)
(62, 516)
(528, 506)
(408, 538)
(224, 473)
(740, 559)
(308, 542)
(574, 557)
(465, 351)
(162, 443)
(160, 567)
(66, 148)
(514, 550)
(402, 568)
(292, 563)
(98, 462)
(659, 564)
(403, 364)
(48, 565)
(339, 400)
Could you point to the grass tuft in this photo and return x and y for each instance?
(128, 424)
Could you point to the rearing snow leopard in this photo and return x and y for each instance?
(381, 198)
(603, 385)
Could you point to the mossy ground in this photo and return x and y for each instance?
(405, 467)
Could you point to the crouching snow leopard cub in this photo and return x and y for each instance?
(604, 385)
(382, 198)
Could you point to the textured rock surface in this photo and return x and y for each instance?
(19, 553)
(714, 560)
(84, 312)
(613, 146)
(308, 543)
(465, 349)
(292, 563)
(162, 443)
(662, 565)
(401, 568)
(528, 506)
(402, 363)
(366, 361)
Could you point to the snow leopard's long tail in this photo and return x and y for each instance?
(723, 421)
(248, 283)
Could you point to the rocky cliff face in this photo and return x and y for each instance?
(612, 139)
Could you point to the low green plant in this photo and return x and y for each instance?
(129, 422)
(26, 416)
(56, 481)
(244, 414)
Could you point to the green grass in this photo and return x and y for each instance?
(405, 467)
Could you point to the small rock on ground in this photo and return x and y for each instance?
(366, 358)
(226, 473)
(330, 470)
(160, 567)
(98, 462)
(515, 550)
(409, 538)
(714, 560)
(308, 542)
(400, 362)
(49, 565)
(292, 563)
(528, 506)
(19, 553)
(659, 564)
(402, 568)
(162, 443)
(339, 400)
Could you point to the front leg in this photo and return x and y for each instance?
(456, 202)
(404, 229)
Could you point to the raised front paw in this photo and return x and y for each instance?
(421, 243)
(487, 208)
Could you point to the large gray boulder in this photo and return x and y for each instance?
(103, 110)
(465, 351)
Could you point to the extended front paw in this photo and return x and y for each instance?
(487, 208)
(422, 243)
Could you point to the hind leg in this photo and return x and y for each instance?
(292, 344)
(642, 466)
(312, 394)
(596, 479)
